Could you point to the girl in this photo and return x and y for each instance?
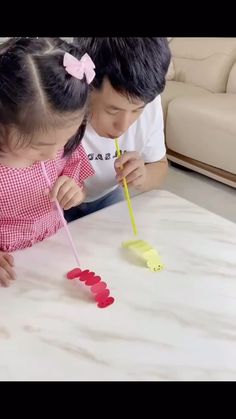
(44, 86)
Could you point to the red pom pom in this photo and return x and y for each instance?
(98, 287)
(93, 280)
(105, 303)
(84, 275)
(74, 273)
(102, 295)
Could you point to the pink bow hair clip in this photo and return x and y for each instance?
(79, 68)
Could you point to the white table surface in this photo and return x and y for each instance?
(177, 324)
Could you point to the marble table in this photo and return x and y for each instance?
(177, 324)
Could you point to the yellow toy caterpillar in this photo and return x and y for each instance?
(146, 252)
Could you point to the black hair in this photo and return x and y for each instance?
(135, 67)
(36, 92)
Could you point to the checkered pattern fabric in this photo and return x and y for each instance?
(27, 215)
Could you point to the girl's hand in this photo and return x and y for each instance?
(67, 192)
(7, 273)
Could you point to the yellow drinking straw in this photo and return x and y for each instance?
(140, 247)
(127, 195)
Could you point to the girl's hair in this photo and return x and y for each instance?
(36, 92)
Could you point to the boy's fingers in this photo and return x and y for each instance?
(129, 155)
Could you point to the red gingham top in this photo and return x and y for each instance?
(27, 216)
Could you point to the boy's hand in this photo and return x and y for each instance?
(67, 192)
(7, 273)
(132, 167)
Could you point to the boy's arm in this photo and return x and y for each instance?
(155, 175)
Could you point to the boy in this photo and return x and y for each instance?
(125, 104)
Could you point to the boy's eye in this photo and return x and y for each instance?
(138, 110)
(112, 112)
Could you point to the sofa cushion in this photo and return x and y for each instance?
(204, 128)
(231, 85)
(204, 62)
(176, 89)
(171, 71)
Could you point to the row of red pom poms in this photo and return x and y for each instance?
(98, 287)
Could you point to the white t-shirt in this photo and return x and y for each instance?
(146, 136)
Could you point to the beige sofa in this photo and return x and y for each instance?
(199, 106)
